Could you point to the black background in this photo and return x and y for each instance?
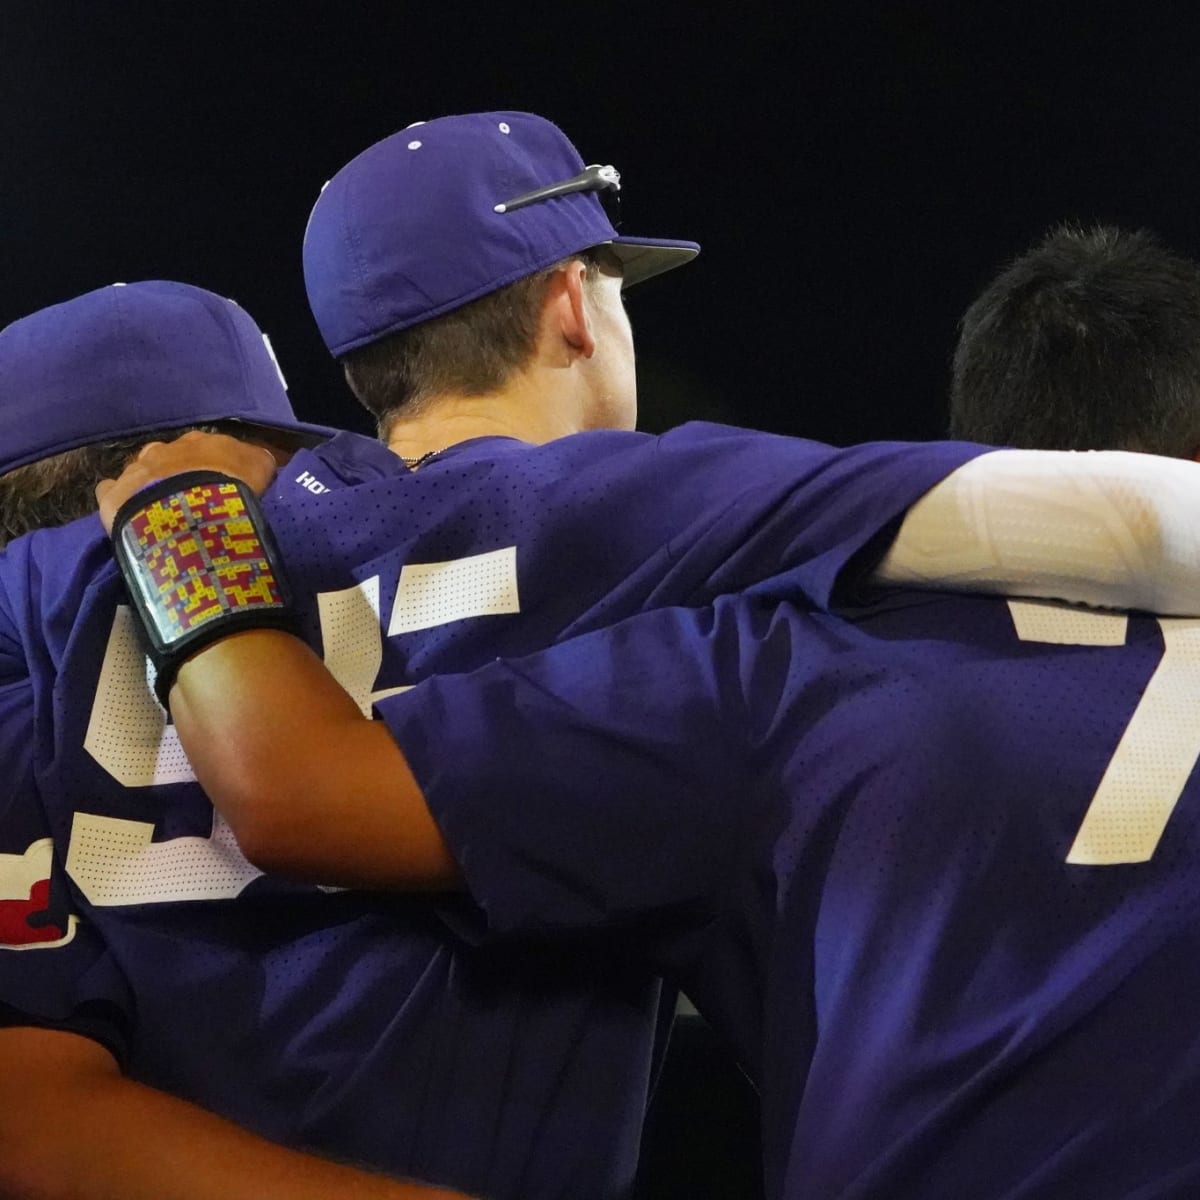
(854, 171)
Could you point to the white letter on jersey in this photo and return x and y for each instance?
(1158, 750)
(352, 641)
(127, 731)
(432, 594)
(113, 861)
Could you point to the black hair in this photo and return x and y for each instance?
(1090, 340)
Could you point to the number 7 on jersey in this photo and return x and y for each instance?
(1158, 749)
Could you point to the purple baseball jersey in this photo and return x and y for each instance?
(349, 1024)
(933, 873)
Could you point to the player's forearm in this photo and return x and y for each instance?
(311, 788)
(1104, 528)
(73, 1128)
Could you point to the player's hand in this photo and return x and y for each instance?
(254, 465)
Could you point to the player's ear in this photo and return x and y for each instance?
(570, 310)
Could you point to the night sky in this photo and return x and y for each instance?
(854, 172)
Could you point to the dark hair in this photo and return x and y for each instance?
(1089, 341)
(469, 351)
(61, 488)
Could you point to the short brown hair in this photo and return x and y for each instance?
(470, 351)
(55, 490)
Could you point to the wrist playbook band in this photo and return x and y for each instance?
(200, 563)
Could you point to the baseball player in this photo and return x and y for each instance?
(106, 1008)
(468, 276)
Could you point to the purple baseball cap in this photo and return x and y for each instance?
(445, 211)
(131, 358)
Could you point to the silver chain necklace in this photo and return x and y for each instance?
(413, 463)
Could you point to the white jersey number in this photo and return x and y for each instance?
(1158, 750)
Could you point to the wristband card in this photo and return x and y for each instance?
(196, 554)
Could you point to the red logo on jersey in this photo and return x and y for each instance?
(27, 920)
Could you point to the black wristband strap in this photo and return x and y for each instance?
(200, 563)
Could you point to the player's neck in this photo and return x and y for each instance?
(517, 412)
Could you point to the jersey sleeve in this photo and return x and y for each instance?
(795, 515)
(707, 510)
(795, 519)
(588, 787)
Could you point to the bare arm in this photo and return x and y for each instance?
(310, 787)
(72, 1127)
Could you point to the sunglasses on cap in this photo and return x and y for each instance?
(604, 180)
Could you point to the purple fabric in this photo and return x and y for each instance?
(130, 358)
(848, 844)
